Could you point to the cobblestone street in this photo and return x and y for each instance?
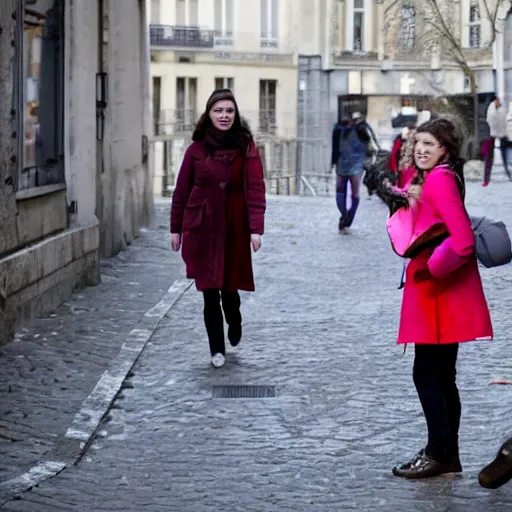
(321, 328)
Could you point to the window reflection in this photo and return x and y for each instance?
(42, 98)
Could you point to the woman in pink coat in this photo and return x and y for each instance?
(443, 302)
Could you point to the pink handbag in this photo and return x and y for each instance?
(406, 240)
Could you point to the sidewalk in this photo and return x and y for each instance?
(54, 364)
(341, 408)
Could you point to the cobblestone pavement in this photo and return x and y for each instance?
(321, 328)
(55, 362)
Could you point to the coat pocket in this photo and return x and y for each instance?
(193, 217)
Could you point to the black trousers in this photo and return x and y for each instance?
(213, 319)
(434, 377)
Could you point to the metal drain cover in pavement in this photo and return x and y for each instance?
(244, 392)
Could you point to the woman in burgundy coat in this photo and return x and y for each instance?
(217, 214)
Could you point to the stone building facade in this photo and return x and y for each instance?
(74, 117)
(247, 46)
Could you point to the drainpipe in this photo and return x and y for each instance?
(499, 62)
(329, 13)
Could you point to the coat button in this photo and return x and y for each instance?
(223, 185)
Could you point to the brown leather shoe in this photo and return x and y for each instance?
(499, 471)
(424, 466)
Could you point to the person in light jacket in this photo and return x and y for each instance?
(497, 121)
(443, 301)
(217, 214)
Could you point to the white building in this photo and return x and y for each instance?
(245, 45)
(74, 113)
(358, 55)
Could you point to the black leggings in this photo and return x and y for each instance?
(434, 376)
(213, 319)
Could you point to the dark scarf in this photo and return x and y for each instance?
(218, 140)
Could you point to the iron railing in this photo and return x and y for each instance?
(175, 120)
(181, 36)
(291, 166)
(268, 42)
(224, 38)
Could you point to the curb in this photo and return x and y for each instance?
(95, 407)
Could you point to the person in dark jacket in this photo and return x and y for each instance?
(349, 153)
(335, 146)
(217, 214)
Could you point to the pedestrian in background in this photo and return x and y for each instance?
(401, 161)
(497, 121)
(349, 155)
(443, 302)
(217, 214)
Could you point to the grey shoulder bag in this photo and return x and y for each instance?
(492, 242)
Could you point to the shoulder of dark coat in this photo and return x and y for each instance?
(252, 150)
(196, 149)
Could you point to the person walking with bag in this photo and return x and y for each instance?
(350, 155)
(217, 214)
(443, 301)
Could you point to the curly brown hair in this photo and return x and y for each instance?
(450, 134)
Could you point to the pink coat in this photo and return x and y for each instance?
(450, 307)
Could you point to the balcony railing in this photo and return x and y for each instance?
(268, 42)
(175, 36)
(224, 38)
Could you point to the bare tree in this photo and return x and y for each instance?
(440, 34)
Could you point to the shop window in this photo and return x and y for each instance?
(39, 92)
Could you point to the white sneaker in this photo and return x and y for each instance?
(218, 360)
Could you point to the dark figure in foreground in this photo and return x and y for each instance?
(499, 471)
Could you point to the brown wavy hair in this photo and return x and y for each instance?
(451, 135)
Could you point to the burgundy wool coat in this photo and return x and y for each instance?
(199, 211)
